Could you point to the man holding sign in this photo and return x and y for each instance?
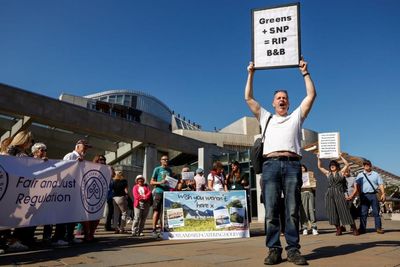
(282, 169)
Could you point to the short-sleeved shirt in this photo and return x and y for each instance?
(201, 183)
(72, 156)
(159, 174)
(119, 187)
(283, 133)
(218, 181)
(350, 185)
(365, 186)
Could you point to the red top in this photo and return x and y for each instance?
(137, 197)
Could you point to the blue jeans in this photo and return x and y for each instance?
(369, 200)
(277, 177)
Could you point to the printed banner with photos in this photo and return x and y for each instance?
(205, 215)
(36, 192)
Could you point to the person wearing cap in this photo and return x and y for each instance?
(142, 199)
(64, 233)
(200, 179)
(79, 152)
(281, 171)
(368, 182)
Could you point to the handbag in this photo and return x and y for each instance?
(378, 192)
(256, 152)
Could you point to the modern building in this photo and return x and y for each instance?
(134, 129)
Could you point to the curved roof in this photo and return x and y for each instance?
(132, 92)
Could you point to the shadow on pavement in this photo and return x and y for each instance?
(333, 251)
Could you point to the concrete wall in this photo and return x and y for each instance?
(218, 138)
(245, 126)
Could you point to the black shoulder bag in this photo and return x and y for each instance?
(378, 192)
(256, 152)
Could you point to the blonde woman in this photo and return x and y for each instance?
(120, 200)
(21, 143)
(4, 145)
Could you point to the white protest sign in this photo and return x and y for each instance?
(36, 192)
(306, 180)
(276, 36)
(172, 182)
(309, 180)
(187, 175)
(329, 145)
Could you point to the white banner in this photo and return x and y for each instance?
(329, 145)
(36, 192)
(276, 37)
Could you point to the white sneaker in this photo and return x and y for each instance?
(315, 232)
(2, 251)
(17, 246)
(305, 232)
(60, 243)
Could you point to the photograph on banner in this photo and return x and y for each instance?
(329, 145)
(187, 176)
(309, 180)
(237, 216)
(276, 37)
(205, 214)
(69, 191)
(172, 182)
(175, 218)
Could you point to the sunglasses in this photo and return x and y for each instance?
(43, 149)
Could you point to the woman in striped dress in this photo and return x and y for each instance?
(335, 199)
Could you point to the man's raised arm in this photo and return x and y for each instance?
(248, 92)
(308, 101)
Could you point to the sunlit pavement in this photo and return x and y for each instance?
(325, 249)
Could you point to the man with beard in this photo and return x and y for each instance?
(282, 168)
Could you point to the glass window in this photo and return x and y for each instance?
(111, 99)
(119, 99)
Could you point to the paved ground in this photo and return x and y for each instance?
(324, 250)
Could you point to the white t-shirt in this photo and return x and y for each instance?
(218, 184)
(72, 156)
(283, 133)
(141, 190)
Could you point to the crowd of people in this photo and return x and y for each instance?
(118, 205)
(289, 207)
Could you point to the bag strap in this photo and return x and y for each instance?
(370, 182)
(266, 125)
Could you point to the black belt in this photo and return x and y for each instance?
(283, 158)
(368, 193)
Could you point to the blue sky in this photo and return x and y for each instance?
(193, 55)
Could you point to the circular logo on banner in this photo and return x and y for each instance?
(94, 188)
(3, 182)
